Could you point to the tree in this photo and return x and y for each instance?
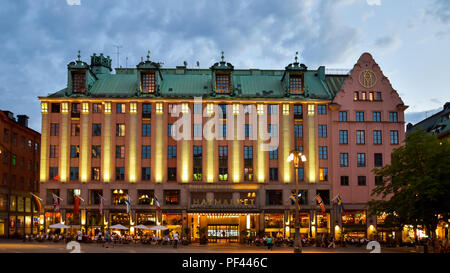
(415, 188)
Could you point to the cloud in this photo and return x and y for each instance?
(73, 2)
(367, 15)
(388, 42)
(415, 117)
(373, 2)
(440, 9)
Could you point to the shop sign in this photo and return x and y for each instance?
(243, 202)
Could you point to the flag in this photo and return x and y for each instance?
(128, 202)
(37, 203)
(320, 201)
(292, 197)
(100, 207)
(76, 204)
(56, 177)
(55, 203)
(157, 204)
(339, 203)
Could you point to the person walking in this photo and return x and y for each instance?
(175, 240)
(269, 242)
(332, 244)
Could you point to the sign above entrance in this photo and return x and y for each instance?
(224, 203)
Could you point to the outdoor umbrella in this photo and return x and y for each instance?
(141, 227)
(159, 228)
(119, 226)
(59, 225)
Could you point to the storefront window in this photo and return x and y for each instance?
(20, 204)
(94, 197)
(13, 203)
(381, 219)
(120, 218)
(3, 202)
(94, 218)
(274, 197)
(73, 219)
(52, 218)
(304, 221)
(119, 197)
(147, 219)
(354, 217)
(28, 224)
(172, 197)
(50, 192)
(145, 197)
(173, 221)
(322, 220)
(28, 205)
(273, 220)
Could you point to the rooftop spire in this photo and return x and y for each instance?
(148, 55)
(222, 56)
(79, 55)
(296, 56)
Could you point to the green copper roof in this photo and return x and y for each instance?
(437, 124)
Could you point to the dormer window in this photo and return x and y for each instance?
(223, 83)
(296, 84)
(148, 82)
(79, 82)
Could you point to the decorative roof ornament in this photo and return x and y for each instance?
(222, 65)
(148, 55)
(222, 57)
(296, 57)
(296, 65)
(79, 55)
(148, 64)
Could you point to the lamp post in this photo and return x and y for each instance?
(297, 157)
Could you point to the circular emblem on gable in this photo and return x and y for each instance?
(367, 78)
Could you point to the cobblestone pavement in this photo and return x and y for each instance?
(17, 246)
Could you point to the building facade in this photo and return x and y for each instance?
(211, 145)
(19, 174)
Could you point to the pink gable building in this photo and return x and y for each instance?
(367, 125)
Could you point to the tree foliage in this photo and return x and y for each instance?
(416, 185)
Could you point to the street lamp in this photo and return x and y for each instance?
(297, 157)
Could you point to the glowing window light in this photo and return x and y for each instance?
(85, 109)
(184, 108)
(133, 107)
(107, 108)
(310, 109)
(159, 108)
(286, 109)
(210, 109)
(44, 107)
(235, 109)
(260, 109)
(65, 107)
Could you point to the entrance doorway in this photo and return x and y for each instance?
(223, 233)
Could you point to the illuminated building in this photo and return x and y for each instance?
(144, 131)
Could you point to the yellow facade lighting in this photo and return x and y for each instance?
(85, 109)
(235, 109)
(65, 107)
(311, 109)
(260, 109)
(210, 109)
(185, 108)
(133, 107)
(286, 109)
(159, 107)
(44, 107)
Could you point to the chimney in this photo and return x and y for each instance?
(10, 115)
(23, 120)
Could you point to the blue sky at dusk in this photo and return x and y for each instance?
(408, 39)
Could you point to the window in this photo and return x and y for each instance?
(273, 130)
(343, 137)
(53, 151)
(171, 130)
(96, 108)
(94, 197)
(298, 112)
(120, 130)
(6, 133)
(322, 131)
(197, 130)
(54, 131)
(120, 108)
(74, 173)
(344, 181)
(74, 151)
(296, 84)
(248, 173)
(75, 129)
(95, 174)
(274, 197)
(172, 197)
(378, 95)
(223, 130)
(371, 96)
(273, 109)
(53, 173)
(197, 174)
(120, 173)
(344, 159)
(146, 129)
(222, 83)
(248, 152)
(378, 160)
(146, 151)
(146, 173)
(78, 82)
(356, 95)
(96, 151)
(363, 96)
(223, 174)
(359, 116)
(325, 194)
(394, 137)
(323, 152)
(376, 116)
(321, 109)
(342, 116)
(301, 174)
(273, 174)
(120, 151)
(146, 110)
(148, 82)
(172, 174)
(96, 129)
(393, 116)
(360, 137)
(197, 154)
(145, 197)
(55, 107)
(298, 130)
(248, 130)
(273, 153)
(361, 159)
(323, 174)
(378, 180)
(377, 137)
(172, 152)
(361, 180)
(119, 196)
